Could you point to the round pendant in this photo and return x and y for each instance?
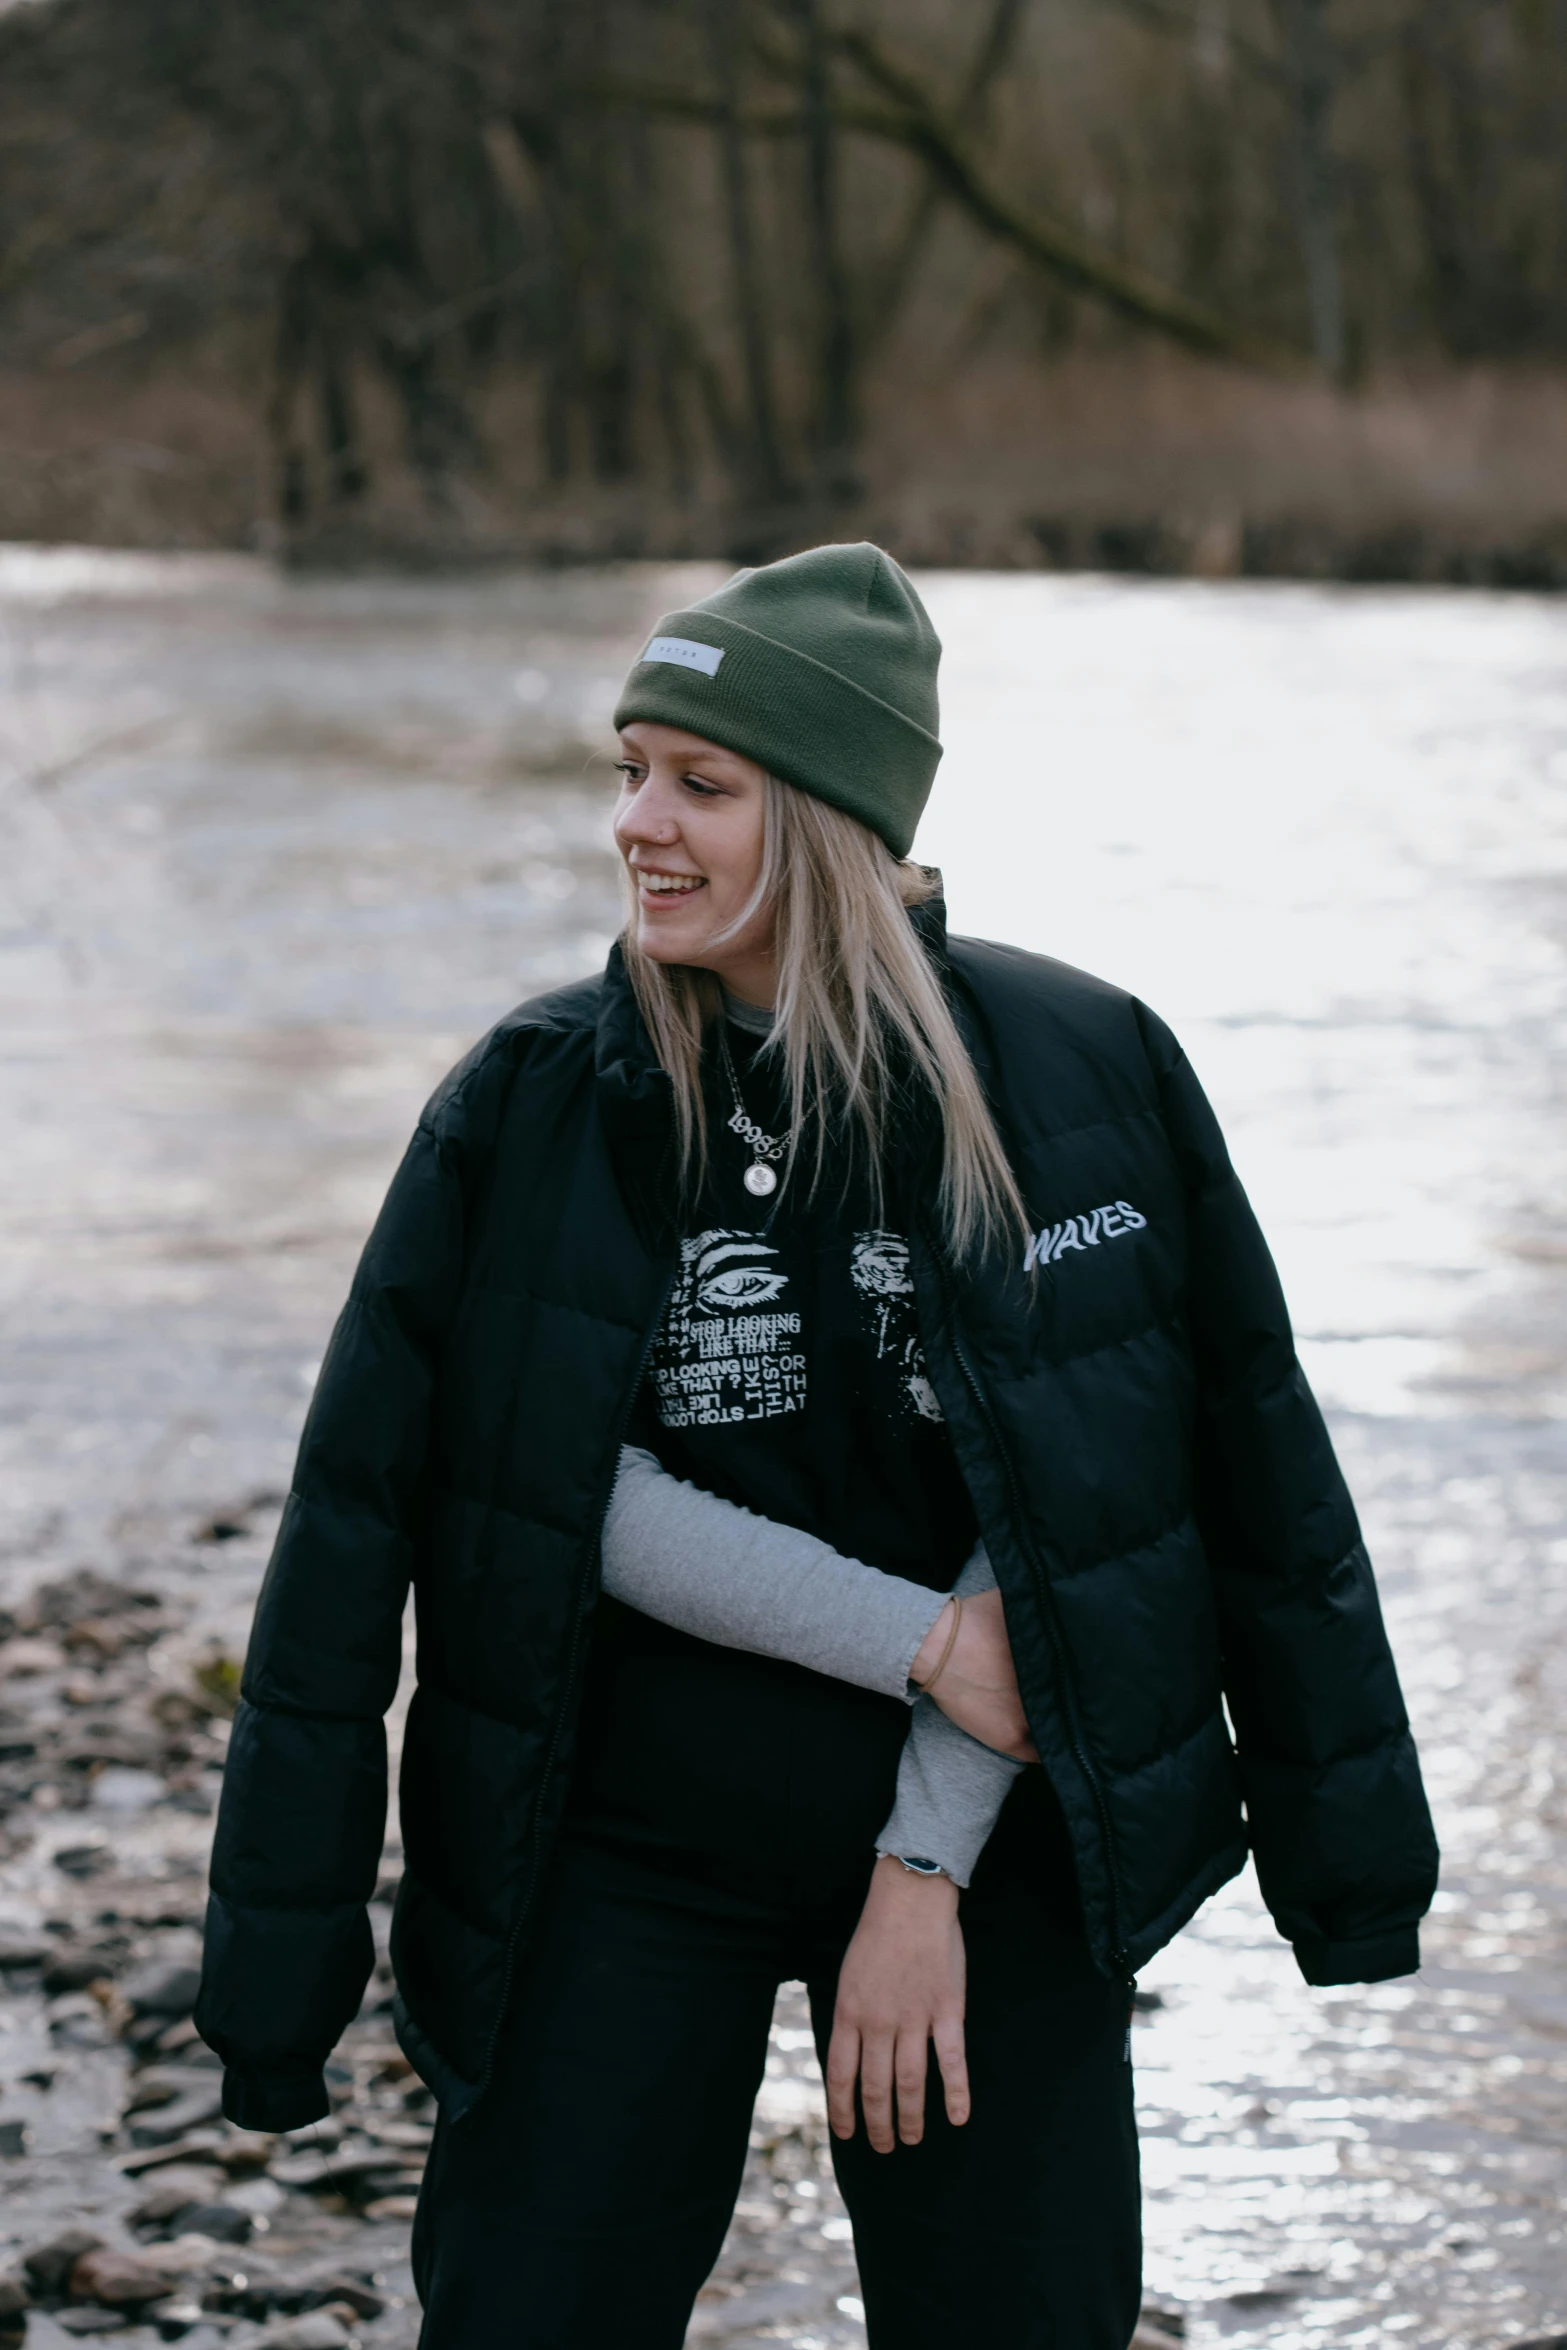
(760, 1180)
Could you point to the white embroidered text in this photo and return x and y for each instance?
(1082, 1232)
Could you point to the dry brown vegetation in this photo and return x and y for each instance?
(1163, 284)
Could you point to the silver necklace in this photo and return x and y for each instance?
(759, 1178)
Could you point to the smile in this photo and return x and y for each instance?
(676, 885)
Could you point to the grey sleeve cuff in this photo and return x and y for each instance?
(950, 1793)
(950, 1788)
(706, 1566)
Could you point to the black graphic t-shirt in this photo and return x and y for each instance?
(788, 1375)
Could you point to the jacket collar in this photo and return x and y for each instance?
(636, 1104)
(930, 927)
(623, 1058)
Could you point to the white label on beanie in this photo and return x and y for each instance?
(685, 653)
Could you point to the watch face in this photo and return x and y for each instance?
(921, 1868)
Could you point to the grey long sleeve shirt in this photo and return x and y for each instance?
(710, 1568)
(950, 1787)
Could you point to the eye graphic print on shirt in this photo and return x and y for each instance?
(879, 1269)
(726, 1351)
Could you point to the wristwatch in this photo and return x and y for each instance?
(917, 1867)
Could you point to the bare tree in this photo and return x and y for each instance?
(769, 477)
(836, 425)
(1310, 83)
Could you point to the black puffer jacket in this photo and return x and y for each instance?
(1150, 1472)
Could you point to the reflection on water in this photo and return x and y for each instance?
(274, 851)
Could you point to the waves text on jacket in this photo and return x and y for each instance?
(1111, 1223)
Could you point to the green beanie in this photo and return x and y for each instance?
(821, 668)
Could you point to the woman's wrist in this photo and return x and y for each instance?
(913, 1891)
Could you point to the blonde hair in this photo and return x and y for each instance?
(858, 1011)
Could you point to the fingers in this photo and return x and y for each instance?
(876, 2075)
(952, 2056)
(892, 2070)
(911, 2070)
(843, 2069)
(867, 2062)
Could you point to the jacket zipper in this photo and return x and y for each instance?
(568, 1691)
(1085, 1763)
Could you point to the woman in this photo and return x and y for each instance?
(805, 1268)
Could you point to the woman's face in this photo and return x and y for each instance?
(689, 825)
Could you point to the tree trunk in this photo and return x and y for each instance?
(562, 361)
(1309, 54)
(837, 419)
(668, 374)
(1446, 271)
(348, 474)
(611, 287)
(290, 356)
(769, 480)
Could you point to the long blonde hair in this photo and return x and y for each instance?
(858, 1009)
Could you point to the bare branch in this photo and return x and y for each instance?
(1058, 250)
(914, 125)
(892, 283)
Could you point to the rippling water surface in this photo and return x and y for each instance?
(273, 852)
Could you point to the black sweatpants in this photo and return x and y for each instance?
(582, 2204)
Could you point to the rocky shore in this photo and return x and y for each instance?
(132, 2209)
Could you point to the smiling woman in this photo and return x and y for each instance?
(811, 1373)
(691, 825)
(739, 878)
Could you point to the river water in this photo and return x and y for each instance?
(274, 851)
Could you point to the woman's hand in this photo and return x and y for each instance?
(900, 1988)
(977, 1687)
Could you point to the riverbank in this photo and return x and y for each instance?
(1148, 464)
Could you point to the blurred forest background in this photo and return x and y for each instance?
(1170, 285)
